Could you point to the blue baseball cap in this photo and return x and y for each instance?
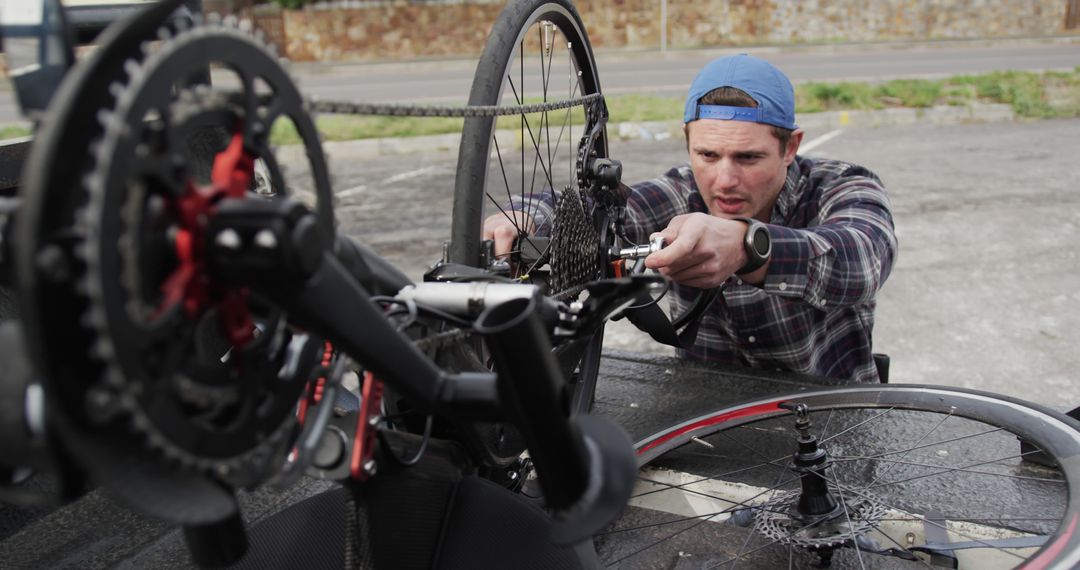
(758, 78)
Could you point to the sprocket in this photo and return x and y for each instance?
(573, 253)
(196, 365)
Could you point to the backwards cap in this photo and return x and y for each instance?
(757, 78)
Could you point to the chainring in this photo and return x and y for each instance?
(196, 365)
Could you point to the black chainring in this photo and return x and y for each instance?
(193, 393)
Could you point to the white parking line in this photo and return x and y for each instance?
(410, 175)
(807, 147)
(691, 496)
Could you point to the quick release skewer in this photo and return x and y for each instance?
(641, 251)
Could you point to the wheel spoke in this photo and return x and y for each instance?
(702, 479)
(749, 535)
(936, 443)
(856, 426)
(951, 469)
(925, 520)
(924, 436)
(509, 197)
(825, 429)
(533, 140)
(847, 517)
(954, 469)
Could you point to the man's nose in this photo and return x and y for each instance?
(727, 174)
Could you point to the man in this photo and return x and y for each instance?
(800, 246)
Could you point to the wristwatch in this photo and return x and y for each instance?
(758, 245)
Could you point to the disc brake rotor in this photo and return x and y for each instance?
(858, 516)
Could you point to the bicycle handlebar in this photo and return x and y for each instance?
(586, 465)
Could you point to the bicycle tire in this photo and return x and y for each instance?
(983, 487)
(503, 56)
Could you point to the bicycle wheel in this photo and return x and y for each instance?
(538, 52)
(920, 476)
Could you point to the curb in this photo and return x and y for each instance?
(660, 130)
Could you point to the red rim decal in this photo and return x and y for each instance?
(713, 420)
(1050, 553)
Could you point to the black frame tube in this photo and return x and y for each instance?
(530, 388)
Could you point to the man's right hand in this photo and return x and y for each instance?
(504, 228)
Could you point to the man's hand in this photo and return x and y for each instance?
(702, 251)
(504, 229)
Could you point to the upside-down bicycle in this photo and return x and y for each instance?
(191, 312)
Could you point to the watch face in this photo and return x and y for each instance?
(761, 241)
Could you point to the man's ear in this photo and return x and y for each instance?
(793, 146)
(686, 135)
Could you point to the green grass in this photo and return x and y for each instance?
(14, 131)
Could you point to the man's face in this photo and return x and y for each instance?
(738, 166)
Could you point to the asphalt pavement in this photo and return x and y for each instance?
(985, 293)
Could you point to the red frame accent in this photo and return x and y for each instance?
(364, 441)
(315, 391)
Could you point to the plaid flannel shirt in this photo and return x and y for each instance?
(833, 246)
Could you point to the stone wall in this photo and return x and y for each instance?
(369, 30)
(386, 31)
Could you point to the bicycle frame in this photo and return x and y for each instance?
(306, 279)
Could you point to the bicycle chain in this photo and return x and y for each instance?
(441, 340)
(397, 110)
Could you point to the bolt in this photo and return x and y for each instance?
(228, 239)
(101, 404)
(53, 263)
(369, 467)
(266, 239)
(178, 164)
(700, 441)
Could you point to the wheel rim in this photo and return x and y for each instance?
(538, 52)
(524, 155)
(913, 451)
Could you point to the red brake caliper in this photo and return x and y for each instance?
(189, 283)
(362, 464)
